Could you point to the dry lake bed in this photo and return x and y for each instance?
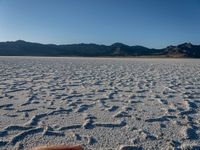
(100, 103)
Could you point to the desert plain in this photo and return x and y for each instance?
(100, 103)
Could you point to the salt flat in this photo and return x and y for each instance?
(100, 103)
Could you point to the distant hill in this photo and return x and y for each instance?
(23, 48)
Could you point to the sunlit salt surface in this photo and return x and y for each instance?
(100, 103)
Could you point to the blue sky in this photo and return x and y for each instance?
(151, 23)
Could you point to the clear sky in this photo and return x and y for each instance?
(151, 23)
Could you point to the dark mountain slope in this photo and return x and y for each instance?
(23, 48)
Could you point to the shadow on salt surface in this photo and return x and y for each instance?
(190, 147)
(3, 143)
(113, 108)
(70, 127)
(84, 107)
(129, 147)
(22, 135)
(27, 110)
(50, 132)
(191, 133)
(30, 100)
(161, 119)
(5, 106)
(122, 123)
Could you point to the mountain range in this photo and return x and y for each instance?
(23, 48)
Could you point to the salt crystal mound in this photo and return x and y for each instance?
(100, 103)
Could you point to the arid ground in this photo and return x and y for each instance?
(100, 103)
